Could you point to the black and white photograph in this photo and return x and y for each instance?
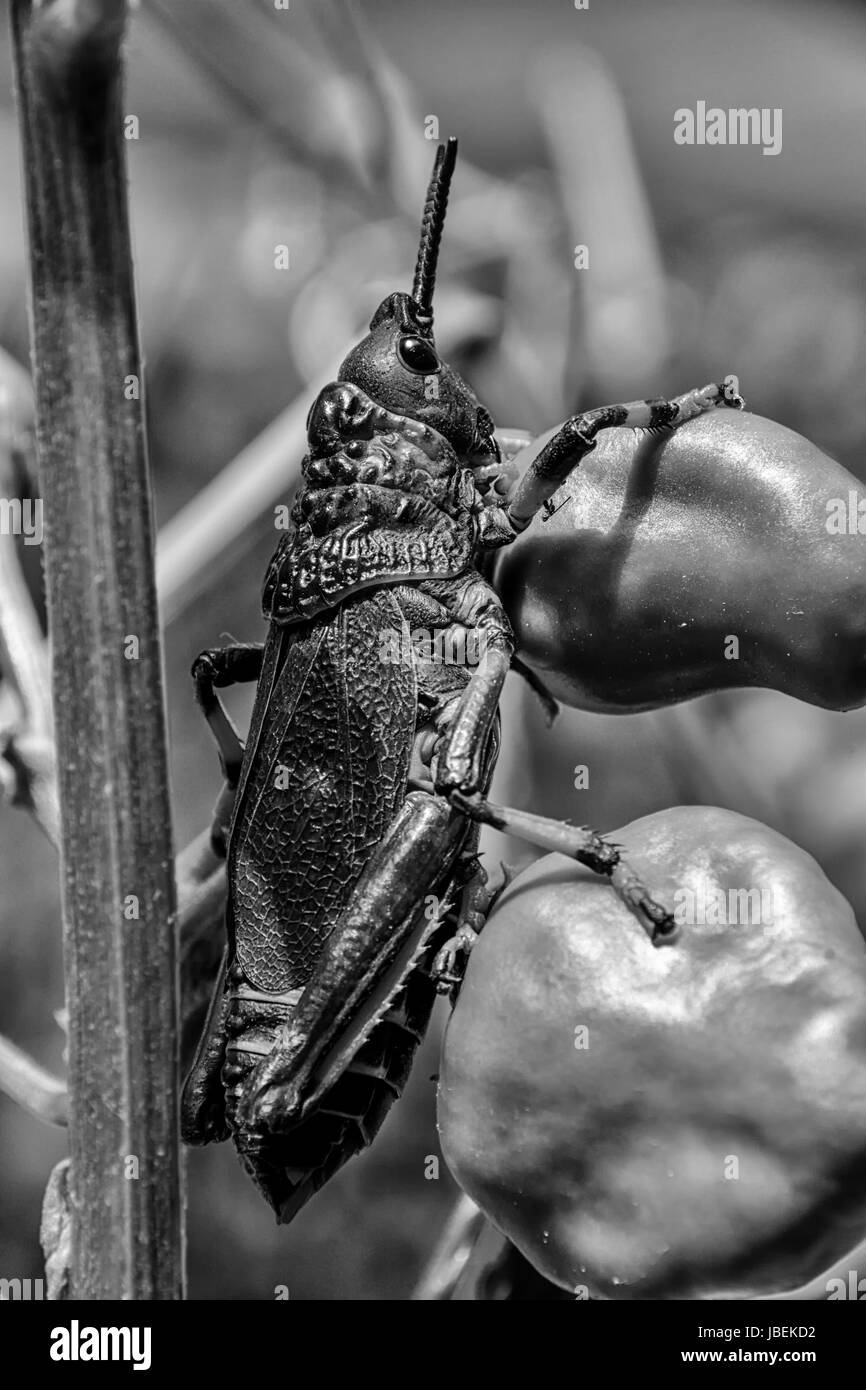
(432, 672)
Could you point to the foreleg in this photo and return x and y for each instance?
(578, 436)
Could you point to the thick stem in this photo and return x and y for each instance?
(118, 885)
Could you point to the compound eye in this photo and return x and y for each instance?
(417, 355)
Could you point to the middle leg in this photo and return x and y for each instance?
(584, 845)
(457, 762)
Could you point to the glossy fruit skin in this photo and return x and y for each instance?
(623, 600)
(609, 1165)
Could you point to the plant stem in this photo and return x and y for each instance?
(34, 1088)
(116, 857)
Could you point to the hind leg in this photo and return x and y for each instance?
(379, 936)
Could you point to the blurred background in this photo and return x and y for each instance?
(308, 129)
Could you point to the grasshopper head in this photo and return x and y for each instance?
(397, 363)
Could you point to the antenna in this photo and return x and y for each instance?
(432, 224)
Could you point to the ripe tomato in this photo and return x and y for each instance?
(684, 1121)
(670, 546)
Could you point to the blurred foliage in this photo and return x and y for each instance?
(307, 128)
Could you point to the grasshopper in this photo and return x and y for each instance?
(361, 789)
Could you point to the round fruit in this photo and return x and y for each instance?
(683, 1121)
(731, 527)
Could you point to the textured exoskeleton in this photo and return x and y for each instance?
(354, 884)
